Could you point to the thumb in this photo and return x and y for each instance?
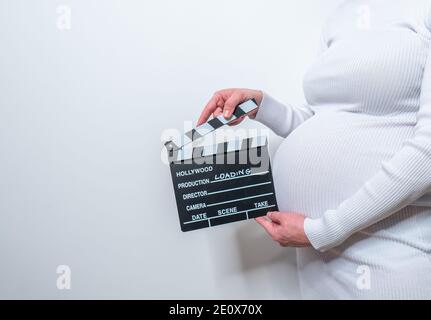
(268, 225)
(230, 105)
(218, 112)
(275, 216)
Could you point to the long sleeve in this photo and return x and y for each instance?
(399, 182)
(282, 119)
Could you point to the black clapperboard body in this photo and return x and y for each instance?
(221, 183)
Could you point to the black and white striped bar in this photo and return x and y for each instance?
(211, 126)
(189, 153)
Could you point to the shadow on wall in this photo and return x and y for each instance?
(268, 270)
(257, 250)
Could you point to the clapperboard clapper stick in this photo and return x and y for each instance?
(222, 183)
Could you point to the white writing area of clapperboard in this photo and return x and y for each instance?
(82, 114)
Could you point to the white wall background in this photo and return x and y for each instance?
(81, 114)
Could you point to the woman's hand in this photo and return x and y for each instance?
(285, 228)
(225, 101)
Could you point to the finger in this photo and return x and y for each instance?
(208, 110)
(237, 121)
(267, 225)
(230, 105)
(218, 112)
(275, 217)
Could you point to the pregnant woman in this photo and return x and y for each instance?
(353, 175)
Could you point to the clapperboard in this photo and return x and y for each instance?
(221, 183)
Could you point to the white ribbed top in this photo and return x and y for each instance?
(357, 157)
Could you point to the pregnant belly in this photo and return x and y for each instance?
(330, 156)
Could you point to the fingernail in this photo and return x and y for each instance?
(226, 114)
